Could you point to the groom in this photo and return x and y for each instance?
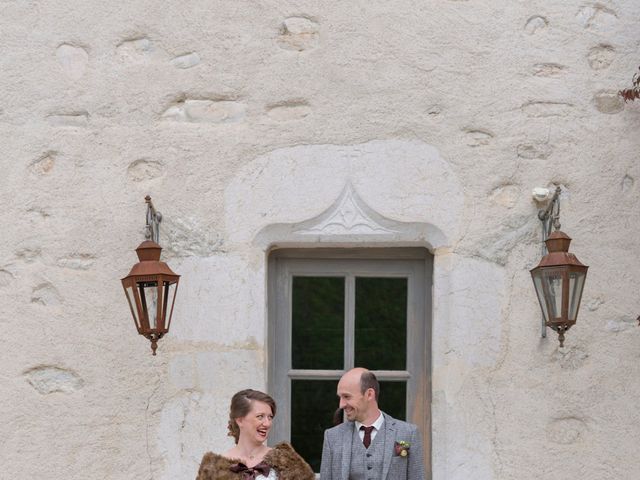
(371, 445)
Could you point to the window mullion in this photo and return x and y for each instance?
(349, 323)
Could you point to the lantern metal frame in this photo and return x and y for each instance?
(550, 217)
(151, 285)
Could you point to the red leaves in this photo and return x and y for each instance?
(630, 94)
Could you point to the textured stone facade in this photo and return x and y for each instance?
(300, 123)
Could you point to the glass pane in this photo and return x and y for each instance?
(393, 399)
(381, 323)
(537, 281)
(554, 297)
(313, 403)
(317, 330)
(132, 303)
(576, 283)
(167, 303)
(149, 300)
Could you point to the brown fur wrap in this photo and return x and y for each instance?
(288, 464)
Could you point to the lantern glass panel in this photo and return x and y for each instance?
(149, 299)
(537, 282)
(167, 302)
(576, 284)
(553, 283)
(132, 304)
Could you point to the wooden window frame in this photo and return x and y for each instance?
(414, 263)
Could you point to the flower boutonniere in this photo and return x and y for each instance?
(402, 448)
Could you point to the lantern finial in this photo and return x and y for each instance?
(154, 344)
(560, 338)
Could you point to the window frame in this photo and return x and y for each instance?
(416, 264)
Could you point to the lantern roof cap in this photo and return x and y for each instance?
(558, 248)
(150, 264)
(148, 250)
(558, 242)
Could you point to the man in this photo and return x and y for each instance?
(371, 445)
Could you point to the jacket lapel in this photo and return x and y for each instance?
(347, 440)
(389, 442)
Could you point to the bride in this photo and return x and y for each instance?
(250, 418)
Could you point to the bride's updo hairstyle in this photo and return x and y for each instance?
(241, 406)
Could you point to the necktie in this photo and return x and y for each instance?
(251, 473)
(367, 435)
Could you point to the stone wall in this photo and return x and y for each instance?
(245, 121)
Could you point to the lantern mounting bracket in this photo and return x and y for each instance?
(152, 228)
(550, 216)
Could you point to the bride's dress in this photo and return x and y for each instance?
(272, 475)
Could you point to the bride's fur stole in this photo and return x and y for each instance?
(288, 464)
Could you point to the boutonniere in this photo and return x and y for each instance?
(402, 448)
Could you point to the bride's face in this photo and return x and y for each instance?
(257, 423)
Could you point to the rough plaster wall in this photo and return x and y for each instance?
(103, 102)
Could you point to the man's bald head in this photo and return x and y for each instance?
(358, 390)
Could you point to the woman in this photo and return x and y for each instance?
(250, 418)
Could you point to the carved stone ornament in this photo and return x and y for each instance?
(349, 215)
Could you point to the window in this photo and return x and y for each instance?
(331, 310)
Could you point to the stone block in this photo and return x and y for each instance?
(49, 379)
(206, 111)
(73, 60)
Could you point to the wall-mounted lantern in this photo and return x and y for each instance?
(151, 285)
(559, 277)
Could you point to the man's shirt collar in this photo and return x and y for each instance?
(377, 424)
